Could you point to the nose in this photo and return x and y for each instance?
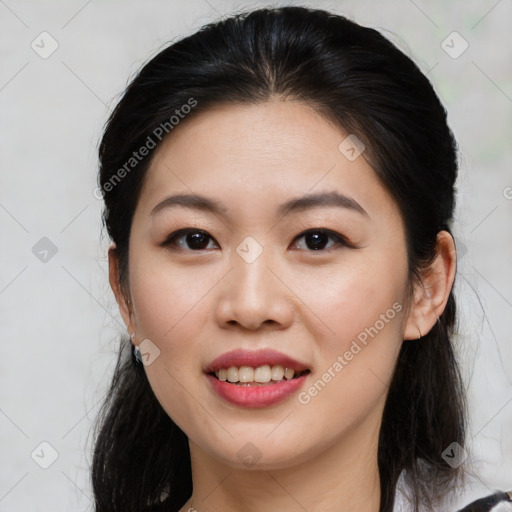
(254, 295)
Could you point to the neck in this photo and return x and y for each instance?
(344, 477)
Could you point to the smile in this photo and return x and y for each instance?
(255, 378)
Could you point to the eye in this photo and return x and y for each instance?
(317, 239)
(197, 240)
(194, 239)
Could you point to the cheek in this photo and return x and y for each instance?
(358, 295)
(356, 362)
(171, 311)
(360, 313)
(170, 305)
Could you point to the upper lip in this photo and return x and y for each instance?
(254, 358)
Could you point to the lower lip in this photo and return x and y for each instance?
(256, 396)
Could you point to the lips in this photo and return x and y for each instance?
(256, 396)
(248, 393)
(255, 359)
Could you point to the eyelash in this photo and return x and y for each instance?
(340, 239)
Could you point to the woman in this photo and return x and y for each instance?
(279, 191)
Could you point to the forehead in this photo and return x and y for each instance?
(253, 155)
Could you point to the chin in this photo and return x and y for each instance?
(259, 454)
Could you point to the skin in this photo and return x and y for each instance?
(197, 304)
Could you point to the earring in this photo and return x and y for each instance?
(419, 337)
(136, 350)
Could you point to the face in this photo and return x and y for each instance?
(322, 282)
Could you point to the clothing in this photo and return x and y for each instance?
(473, 497)
(495, 502)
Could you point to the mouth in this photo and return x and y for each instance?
(257, 376)
(253, 394)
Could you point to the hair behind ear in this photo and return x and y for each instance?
(424, 413)
(135, 435)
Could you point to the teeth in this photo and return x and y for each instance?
(262, 374)
(246, 374)
(289, 373)
(277, 372)
(233, 374)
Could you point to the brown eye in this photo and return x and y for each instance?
(192, 239)
(318, 239)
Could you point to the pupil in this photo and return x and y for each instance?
(318, 239)
(197, 240)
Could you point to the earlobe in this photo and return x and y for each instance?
(431, 295)
(115, 284)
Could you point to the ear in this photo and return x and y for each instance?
(431, 295)
(123, 303)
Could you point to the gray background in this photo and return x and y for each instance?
(59, 323)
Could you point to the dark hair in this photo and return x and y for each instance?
(357, 78)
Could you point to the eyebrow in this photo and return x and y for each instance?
(306, 202)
